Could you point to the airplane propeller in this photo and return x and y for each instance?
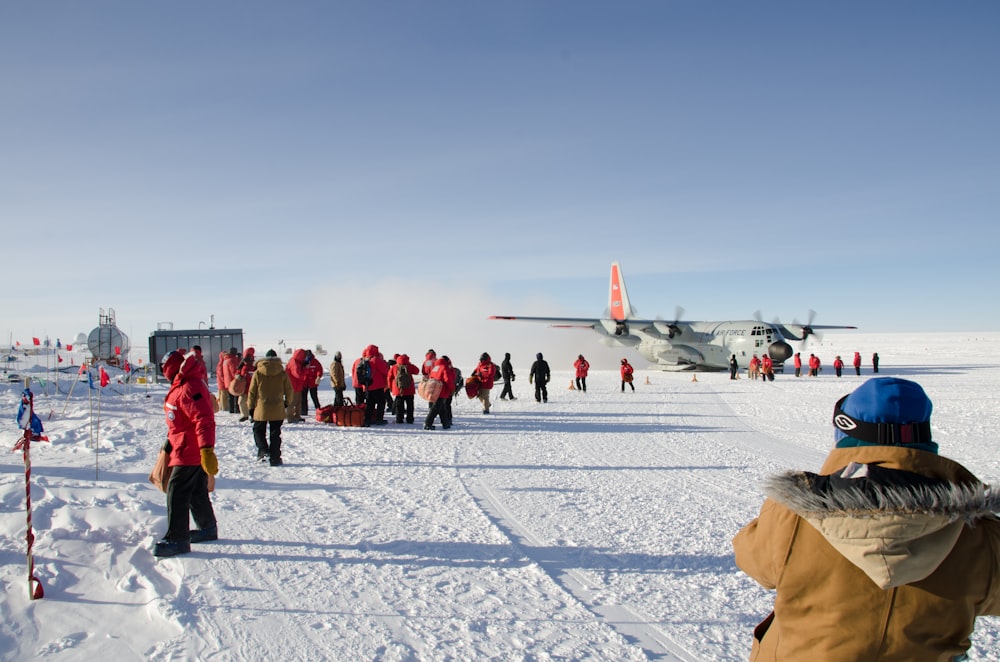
(673, 329)
(807, 329)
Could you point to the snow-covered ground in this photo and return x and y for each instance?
(596, 526)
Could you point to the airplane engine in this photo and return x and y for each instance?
(779, 351)
(666, 329)
(616, 333)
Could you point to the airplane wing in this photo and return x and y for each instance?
(802, 331)
(611, 326)
(569, 322)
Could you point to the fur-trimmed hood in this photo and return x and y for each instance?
(895, 525)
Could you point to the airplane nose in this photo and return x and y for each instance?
(780, 351)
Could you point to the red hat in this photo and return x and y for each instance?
(170, 365)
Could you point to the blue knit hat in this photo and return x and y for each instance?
(884, 411)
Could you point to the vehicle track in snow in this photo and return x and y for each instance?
(625, 620)
(691, 443)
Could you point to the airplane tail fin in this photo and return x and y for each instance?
(618, 303)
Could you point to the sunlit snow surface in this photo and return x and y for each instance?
(596, 526)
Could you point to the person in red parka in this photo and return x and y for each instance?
(442, 372)
(582, 368)
(246, 368)
(230, 366)
(814, 364)
(425, 368)
(403, 387)
(429, 358)
(191, 439)
(375, 391)
(857, 363)
(220, 381)
(313, 374)
(838, 365)
(767, 369)
(296, 370)
(798, 364)
(627, 375)
(487, 372)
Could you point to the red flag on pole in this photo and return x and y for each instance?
(69, 348)
(36, 341)
(104, 377)
(59, 357)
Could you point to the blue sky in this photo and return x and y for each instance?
(394, 172)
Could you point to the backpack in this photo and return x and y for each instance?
(238, 386)
(363, 373)
(404, 380)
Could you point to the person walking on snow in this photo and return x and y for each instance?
(191, 439)
(626, 371)
(813, 365)
(269, 397)
(375, 391)
(857, 363)
(443, 373)
(402, 385)
(838, 365)
(220, 382)
(486, 371)
(539, 375)
(296, 370)
(230, 366)
(507, 373)
(425, 368)
(767, 369)
(582, 368)
(890, 552)
(246, 368)
(313, 373)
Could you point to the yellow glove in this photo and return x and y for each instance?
(209, 462)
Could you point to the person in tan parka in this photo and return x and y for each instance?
(338, 380)
(889, 553)
(268, 397)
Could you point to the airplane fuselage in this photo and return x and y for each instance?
(706, 345)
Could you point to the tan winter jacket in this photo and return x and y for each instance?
(270, 391)
(337, 375)
(871, 563)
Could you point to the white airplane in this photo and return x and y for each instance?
(684, 345)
